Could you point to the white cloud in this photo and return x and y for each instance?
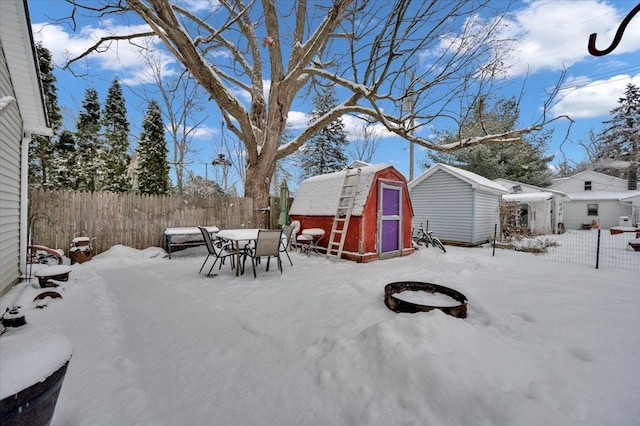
(553, 35)
(121, 57)
(297, 120)
(201, 5)
(593, 99)
(205, 132)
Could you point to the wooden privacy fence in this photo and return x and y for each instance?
(134, 220)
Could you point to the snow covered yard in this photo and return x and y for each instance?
(154, 343)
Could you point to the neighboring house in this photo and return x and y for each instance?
(542, 207)
(380, 225)
(22, 114)
(460, 207)
(596, 197)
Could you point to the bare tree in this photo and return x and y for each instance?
(363, 47)
(365, 147)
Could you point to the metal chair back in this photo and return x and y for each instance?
(268, 243)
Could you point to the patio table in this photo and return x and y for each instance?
(238, 236)
(310, 238)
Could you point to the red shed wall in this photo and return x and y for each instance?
(362, 235)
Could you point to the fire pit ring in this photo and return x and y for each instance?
(398, 305)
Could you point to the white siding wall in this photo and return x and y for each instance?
(599, 182)
(447, 203)
(575, 213)
(485, 217)
(10, 140)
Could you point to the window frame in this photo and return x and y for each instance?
(588, 185)
(592, 209)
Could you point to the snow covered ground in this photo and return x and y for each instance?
(154, 343)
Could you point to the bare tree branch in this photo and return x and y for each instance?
(99, 48)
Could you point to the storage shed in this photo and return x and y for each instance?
(460, 207)
(380, 224)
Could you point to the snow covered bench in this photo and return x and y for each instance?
(185, 237)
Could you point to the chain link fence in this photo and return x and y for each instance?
(615, 247)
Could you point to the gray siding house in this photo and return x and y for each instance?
(22, 114)
(460, 207)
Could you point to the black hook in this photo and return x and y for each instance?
(616, 39)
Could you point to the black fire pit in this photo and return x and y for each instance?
(398, 305)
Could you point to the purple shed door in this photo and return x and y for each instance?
(390, 219)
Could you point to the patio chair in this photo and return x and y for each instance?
(218, 249)
(287, 230)
(295, 228)
(268, 244)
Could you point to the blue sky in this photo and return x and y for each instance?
(550, 36)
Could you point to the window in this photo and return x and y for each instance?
(592, 210)
(587, 185)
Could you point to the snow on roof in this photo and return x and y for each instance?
(319, 195)
(531, 196)
(475, 180)
(509, 184)
(602, 195)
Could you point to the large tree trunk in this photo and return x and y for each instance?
(257, 186)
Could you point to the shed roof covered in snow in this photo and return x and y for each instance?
(476, 181)
(530, 196)
(319, 195)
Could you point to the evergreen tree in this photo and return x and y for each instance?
(41, 149)
(64, 161)
(524, 162)
(89, 158)
(116, 141)
(619, 143)
(324, 152)
(153, 166)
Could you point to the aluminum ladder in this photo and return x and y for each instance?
(343, 213)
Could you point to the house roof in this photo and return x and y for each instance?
(320, 195)
(586, 174)
(17, 44)
(475, 180)
(602, 195)
(509, 184)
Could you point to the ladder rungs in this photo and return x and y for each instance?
(343, 213)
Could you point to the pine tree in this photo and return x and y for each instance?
(41, 148)
(324, 152)
(153, 166)
(64, 161)
(619, 143)
(89, 158)
(116, 141)
(524, 162)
